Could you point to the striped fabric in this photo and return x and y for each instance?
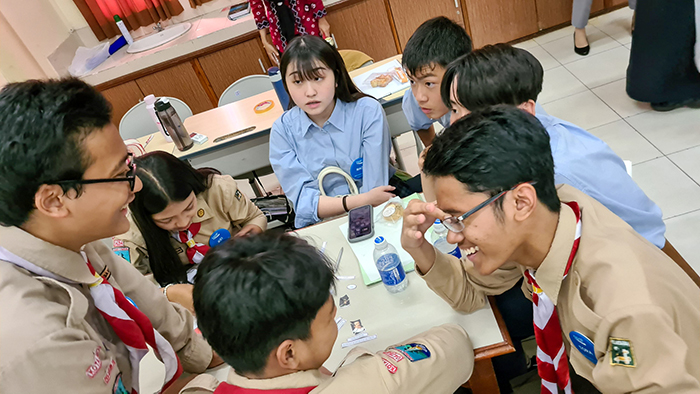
(552, 362)
(130, 324)
(195, 251)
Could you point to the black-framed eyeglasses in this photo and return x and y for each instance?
(456, 224)
(130, 176)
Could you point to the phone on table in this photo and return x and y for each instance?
(360, 223)
(238, 10)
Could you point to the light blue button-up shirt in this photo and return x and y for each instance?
(587, 163)
(417, 119)
(299, 150)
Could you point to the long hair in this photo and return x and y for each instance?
(305, 52)
(166, 179)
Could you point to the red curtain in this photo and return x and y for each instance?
(135, 13)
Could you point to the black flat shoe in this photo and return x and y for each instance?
(581, 51)
(670, 106)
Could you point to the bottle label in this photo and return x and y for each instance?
(392, 272)
(456, 252)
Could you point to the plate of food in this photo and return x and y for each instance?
(382, 81)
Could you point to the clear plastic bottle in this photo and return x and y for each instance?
(389, 265)
(439, 239)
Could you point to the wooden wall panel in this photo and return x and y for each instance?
(122, 98)
(364, 26)
(179, 81)
(613, 3)
(226, 66)
(494, 21)
(409, 14)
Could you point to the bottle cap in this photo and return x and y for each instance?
(117, 18)
(378, 240)
(437, 221)
(273, 70)
(162, 104)
(150, 99)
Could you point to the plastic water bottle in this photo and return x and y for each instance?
(389, 266)
(439, 239)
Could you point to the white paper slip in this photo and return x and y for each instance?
(358, 341)
(340, 323)
(358, 336)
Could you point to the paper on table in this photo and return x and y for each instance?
(379, 92)
(364, 250)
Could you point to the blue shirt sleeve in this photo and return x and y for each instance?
(588, 164)
(376, 145)
(298, 184)
(417, 119)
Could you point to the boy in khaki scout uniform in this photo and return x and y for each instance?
(623, 313)
(263, 303)
(67, 312)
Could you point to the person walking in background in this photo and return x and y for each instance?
(579, 18)
(286, 19)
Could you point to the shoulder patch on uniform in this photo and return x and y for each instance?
(238, 195)
(123, 253)
(200, 212)
(117, 243)
(621, 352)
(389, 366)
(414, 351)
(394, 356)
(108, 373)
(96, 364)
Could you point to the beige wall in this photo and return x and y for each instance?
(16, 62)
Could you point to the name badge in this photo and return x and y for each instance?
(583, 345)
(356, 169)
(220, 236)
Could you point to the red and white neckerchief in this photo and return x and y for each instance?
(552, 362)
(130, 324)
(195, 250)
(227, 388)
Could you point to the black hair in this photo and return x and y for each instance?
(253, 293)
(437, 41)
(493, 149)
(166, 179)
(494, 74)
(304, 52)
(44, 125)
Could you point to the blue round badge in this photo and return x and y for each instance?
(356, 169)
(584, 345)
(220, 236)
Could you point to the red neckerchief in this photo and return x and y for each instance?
(552, 362)
(226, 388)
(195, 251)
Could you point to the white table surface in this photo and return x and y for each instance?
(392, 317)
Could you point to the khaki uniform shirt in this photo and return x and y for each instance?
(51, 334)
(450, 365)
(620, 286)
(220, 206)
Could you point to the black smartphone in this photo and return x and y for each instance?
(360, 223)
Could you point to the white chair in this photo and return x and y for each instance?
(398, 124)
(244, 88)
(137, 123)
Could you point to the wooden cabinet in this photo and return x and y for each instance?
(226, 66)
(122, 98)
(614, 3)
(493, 21)
(363, 26)
(555, 12)
(409, 14)
(179, 81)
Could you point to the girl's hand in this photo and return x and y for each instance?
(248, 229)
(272, 53)
(378, 195)
(325, 27)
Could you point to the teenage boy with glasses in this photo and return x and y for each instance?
(75, 317)
(605, 299)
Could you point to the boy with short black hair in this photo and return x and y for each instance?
(75, 317)
(435, 44)
(263, 303)
(605, 299)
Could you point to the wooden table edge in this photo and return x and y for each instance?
(496, 349)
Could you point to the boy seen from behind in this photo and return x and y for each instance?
(263, 303)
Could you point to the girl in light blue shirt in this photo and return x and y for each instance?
(331, 124)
